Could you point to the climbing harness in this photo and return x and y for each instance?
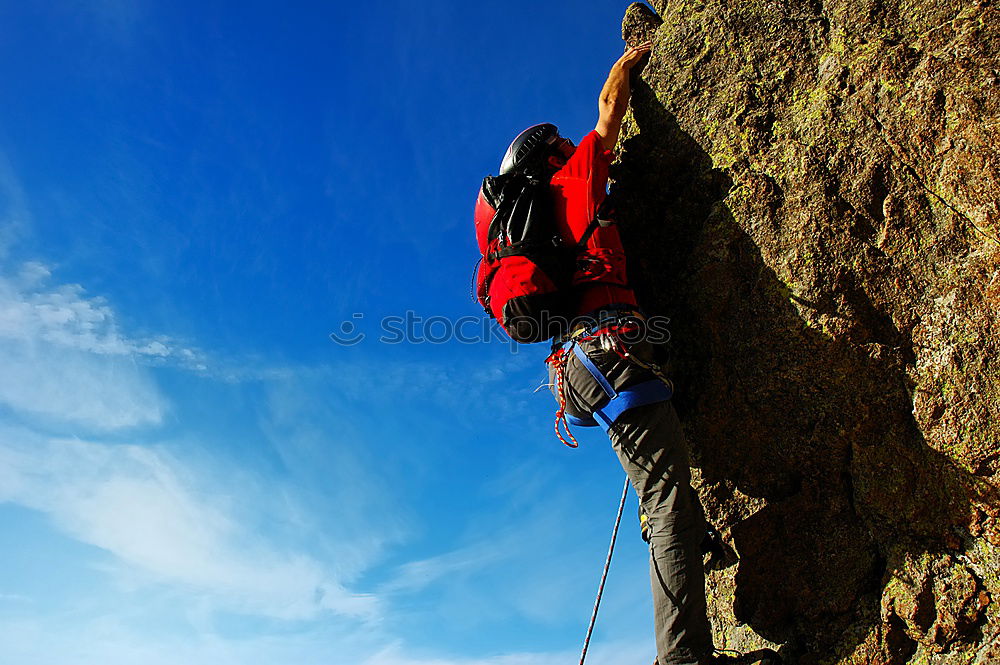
(608, 330)
(604, 575)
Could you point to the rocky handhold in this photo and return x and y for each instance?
(640, 24)
(809, 191)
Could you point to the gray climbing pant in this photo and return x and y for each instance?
(651, 447)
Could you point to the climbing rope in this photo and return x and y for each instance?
(604, 575)
(558, 361)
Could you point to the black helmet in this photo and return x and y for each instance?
(529, 152)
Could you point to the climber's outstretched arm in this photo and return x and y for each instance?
(614, 95)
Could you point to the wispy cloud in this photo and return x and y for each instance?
(58, 386)
(417, 575)
(173, 525)
(147, 509)
(67, 361)
(64, 316)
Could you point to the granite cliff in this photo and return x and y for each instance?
(809, 190)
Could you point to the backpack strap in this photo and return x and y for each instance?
(521, 248)
(594, 223)
(603, 210)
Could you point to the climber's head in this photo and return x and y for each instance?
(537, 151)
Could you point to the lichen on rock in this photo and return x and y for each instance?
(810, 192)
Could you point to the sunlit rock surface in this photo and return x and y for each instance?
(809, 191)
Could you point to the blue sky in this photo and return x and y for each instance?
(193, 196)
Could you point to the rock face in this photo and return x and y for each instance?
(809, 190)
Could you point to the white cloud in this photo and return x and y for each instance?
(417, 575)
(65, 317)
(66, 360)
(147, 510)
(171, 532)
(68, 386)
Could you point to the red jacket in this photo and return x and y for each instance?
(578, 189)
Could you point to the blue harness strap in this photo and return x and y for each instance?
(596, 373)
(640, 394)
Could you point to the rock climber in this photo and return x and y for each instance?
(599, 358)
